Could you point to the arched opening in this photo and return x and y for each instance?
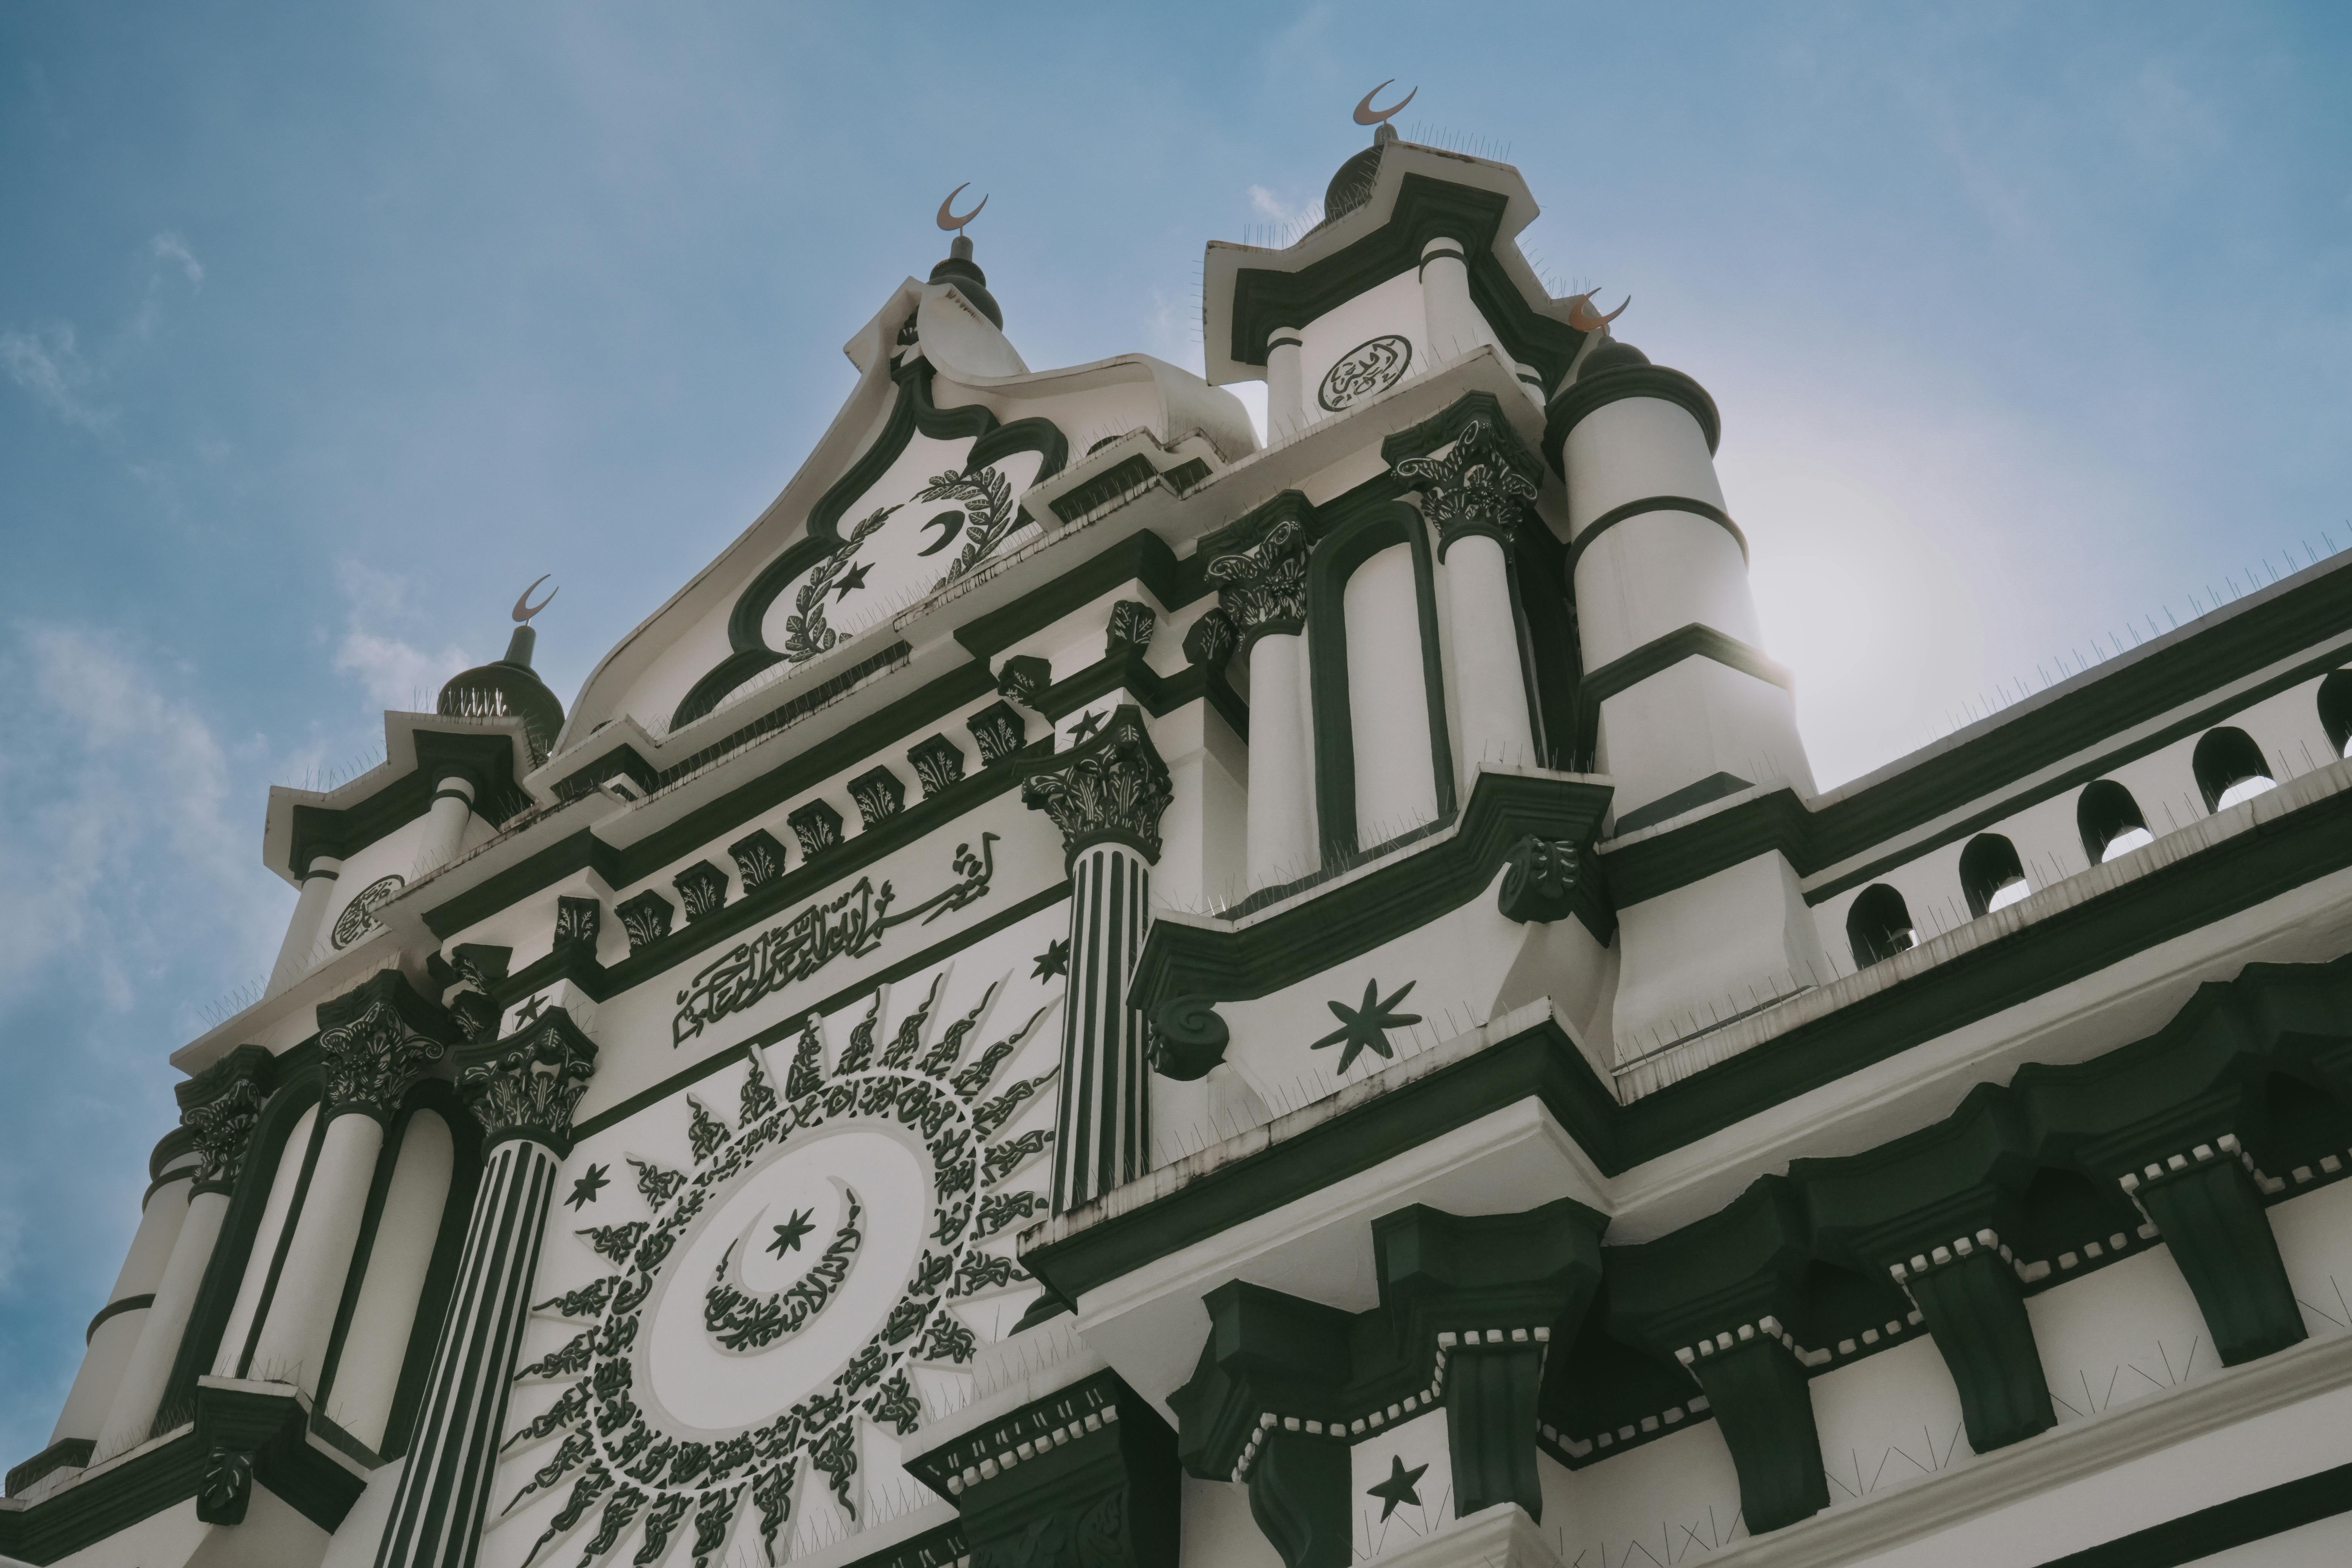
(2064, 1214)
(2335, 711)
(2110, 821)
(1991, 877)
(1879, 925)
(2229, 768)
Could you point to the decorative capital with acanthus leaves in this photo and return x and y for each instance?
(1474, 474)
(377, 1042)
(527, 1084)
(1259, 565)
(1113, 788)
(220, 1107)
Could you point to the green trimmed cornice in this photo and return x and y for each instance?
(1964, 781)
(1467, 1306)
(1083, 1478)
(1234, 962)
(486, 759)
(1629, 669)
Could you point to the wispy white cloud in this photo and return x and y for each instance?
(169, 248)
(395, 672)
(48, 363)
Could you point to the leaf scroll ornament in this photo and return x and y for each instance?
(806, 633)
(986, 497)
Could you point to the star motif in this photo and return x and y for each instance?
(1398, 1488)
(1084, 729)
(1053, 961)
(1366, 1028)
(788, 1237)
(529, 1011)
(851, 581)
(592, 1182)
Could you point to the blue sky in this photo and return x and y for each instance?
(324, 329)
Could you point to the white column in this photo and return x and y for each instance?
(1282, 763)
(292, 1345)
(445, 824)
(1286, 405)
(140, 1392)
(309, 922)
(1490, 679)
(1454, 325)
(114, 1338)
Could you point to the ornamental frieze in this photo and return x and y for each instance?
(851, 924)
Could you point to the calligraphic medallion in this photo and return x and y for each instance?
(357, 918)
(1364, 372)
(792, 1292)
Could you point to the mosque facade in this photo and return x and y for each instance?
(1098, 989)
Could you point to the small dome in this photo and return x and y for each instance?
(1351, 187)
(964, 275)
(1612, 355)
(509, 688)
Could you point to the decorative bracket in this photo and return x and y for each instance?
(2205, 1203)
(1539, 881)
(375, 1042)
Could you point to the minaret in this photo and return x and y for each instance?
(1680, 706)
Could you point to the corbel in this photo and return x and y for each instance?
(2206, 1204)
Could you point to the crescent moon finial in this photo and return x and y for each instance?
(947, 219)
(1367, 115)
(524, 610)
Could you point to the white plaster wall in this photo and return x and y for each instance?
(1421, 1445)
(1218, 1529)
(1206, 828)
(1692, 721)
(1392, 308)
(275, 1215)
(1711, 948)
(1633, 448)
(2119, 1334)
(2314, 1241)
(163, 1540)
(1654, 574)
(376, 1346)
(1888, 1421)
(1673, 1499)
(1388, 702)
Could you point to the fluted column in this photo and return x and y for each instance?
(114, 1332)
(1259, 565)
(1476, 492)
(522, 1090)
(375, 1043)
(308, 924)
(445, 822)
(1107, 796)
(221, 1106)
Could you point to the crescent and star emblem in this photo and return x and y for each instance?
(524, 610)
(1365, 113)
(952, 521)
(947, 219)
(745, 1322)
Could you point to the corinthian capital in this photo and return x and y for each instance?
(1112, 788)
(527, 1084)
(220, 1108)
(1259, 565)
(375, 1043)
(1473, 474)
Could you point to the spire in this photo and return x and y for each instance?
(1351, 187)
(510, 688)
(960, 270)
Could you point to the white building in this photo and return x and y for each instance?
(1093, 992)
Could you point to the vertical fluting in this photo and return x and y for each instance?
(1104, 1127)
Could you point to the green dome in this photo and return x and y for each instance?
(510, 688)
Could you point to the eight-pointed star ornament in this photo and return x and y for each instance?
(788, 1237)
(1399, 1488)
(591, 1181)
(1366, 1028)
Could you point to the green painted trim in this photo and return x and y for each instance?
(1673, 802)
(614, 1115)
(2192, 1536)
(1265, 301)
(2235, 874)
(344, 831)
(66, 1452)
(1615, 515)
(185, 1173)
(1235, 963)
(1348, 540)
(1693, 641)
(84, 1514)
(1141, 557)
(120, 1305)
(1588, 393)
(285, 1234)
(179, 1140)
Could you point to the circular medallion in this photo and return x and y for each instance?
(1365, 372)
(785, 1293)
(357, 918)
